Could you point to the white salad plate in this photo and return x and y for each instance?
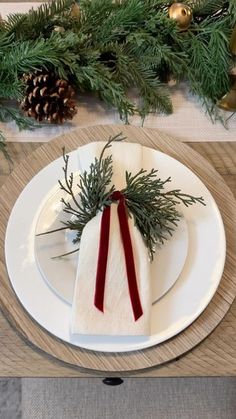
(184, 276)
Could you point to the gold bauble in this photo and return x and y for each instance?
(75, 11)
(232, 74)
(228, 101)
(232, 44)
(182, 14)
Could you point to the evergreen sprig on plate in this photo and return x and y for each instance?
(153, 208)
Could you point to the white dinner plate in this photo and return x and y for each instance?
(177, 309)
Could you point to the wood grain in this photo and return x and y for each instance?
(212, 359)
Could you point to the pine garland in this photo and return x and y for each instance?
(117, 45)
(152, 207)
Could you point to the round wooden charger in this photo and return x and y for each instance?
(158, 354)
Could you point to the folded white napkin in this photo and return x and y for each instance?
(117, 318)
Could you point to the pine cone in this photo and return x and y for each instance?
(48, 98)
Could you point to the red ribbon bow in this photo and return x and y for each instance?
(128, 253)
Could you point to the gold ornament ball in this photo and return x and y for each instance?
(75, 11)
(182, 14)
(233, 42)
(228, 101)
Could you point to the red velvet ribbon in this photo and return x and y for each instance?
(128, 253)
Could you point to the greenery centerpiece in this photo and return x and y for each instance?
(108, 47)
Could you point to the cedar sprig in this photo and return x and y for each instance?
(153, 208)
(94, 192)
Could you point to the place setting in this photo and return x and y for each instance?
(117, 241)
(110, 286)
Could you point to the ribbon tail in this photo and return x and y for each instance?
(102, 260)
(129, 260)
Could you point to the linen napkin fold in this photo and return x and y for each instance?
(117, 318)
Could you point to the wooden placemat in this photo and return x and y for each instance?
(161, 353)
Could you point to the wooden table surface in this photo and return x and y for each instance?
(216, 356)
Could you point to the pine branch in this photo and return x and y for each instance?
(96, 77)
(232, 9)
(94, 191)
(10, 87)
(115, 45)
(8, 114)
(154, 210)
(54, 52)
(208, 7)
(31, 25)
(129, 70)
(119, 21)
(209, 61)
(6, 41)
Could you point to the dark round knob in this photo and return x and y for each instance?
(112, 381)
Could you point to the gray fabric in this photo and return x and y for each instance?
(151, 398)
(10, 398)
